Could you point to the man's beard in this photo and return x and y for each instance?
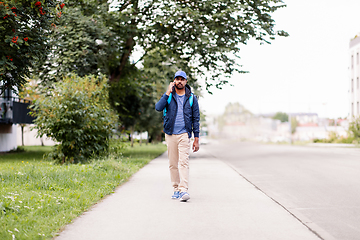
(177, 86)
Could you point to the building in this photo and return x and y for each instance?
(13, 111)
(354, 75)
(306, 119)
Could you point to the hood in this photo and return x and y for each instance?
(187, 90)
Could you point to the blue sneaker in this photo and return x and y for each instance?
(184, 196)
(176, 195)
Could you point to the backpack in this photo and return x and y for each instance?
(191, 100)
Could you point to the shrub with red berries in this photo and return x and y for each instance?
(14, 40)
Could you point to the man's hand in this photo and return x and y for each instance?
(196, 146)
(170, 88)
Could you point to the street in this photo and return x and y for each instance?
(320, 186)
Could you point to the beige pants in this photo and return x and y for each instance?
(178, 152)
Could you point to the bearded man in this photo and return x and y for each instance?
(182, 118)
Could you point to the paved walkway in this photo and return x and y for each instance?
(223, 206)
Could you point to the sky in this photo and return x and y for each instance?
(305, 72)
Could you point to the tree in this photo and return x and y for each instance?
(283, 117)
(354, 129)
(80, 42)
(149, 120)
(198, 36)
(25, 27)
(77, 115)
(125, 98)
(293, 124)
(134, 98)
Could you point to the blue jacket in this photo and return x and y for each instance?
(191, 114)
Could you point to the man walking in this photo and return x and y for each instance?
(181, 118)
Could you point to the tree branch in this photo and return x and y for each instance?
(140, 59)
(129, 45)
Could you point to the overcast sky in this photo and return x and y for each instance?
(306, 72)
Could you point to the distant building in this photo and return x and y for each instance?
(13, 111)
(354, 75)
(306, 119)
(236, 114)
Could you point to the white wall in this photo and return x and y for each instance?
(8, 140)
(354, 75)
(30, 138)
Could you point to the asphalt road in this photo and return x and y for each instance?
(320, 186)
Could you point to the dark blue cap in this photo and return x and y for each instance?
(180, 74)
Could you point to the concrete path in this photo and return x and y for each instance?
(223, 206)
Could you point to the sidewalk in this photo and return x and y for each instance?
(223, 206)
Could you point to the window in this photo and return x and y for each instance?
(352, 85)
(357, 83)
(357, 108)
(352, 109)
(352, 61)
(357, 58)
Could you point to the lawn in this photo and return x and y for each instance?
(38, 197)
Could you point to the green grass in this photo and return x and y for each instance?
(38, 198)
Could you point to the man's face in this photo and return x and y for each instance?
(180, 82)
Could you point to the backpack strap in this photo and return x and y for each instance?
(168, 101)
(191, 100)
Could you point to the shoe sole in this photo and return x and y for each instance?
(184, 198)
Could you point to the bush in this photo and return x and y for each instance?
(77, 115)
(335, 138)
(17, 149)
(354, 128)
(116, 147)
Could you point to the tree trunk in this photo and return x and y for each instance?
(129, 46)
(140, 139)
(22, 135)
(132, 136)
